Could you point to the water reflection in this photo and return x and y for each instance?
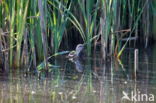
(88, 81)
(78, 64)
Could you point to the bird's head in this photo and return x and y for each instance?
(79, 48)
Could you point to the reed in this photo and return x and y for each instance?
(89, 11)
(8, 17)
(21, 15)
(107, 22)
(134, 26)
(57, 21)
(12, 27)
(43, 33)
(36, 48)
(89, 19)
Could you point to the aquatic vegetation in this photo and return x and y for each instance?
(37, 35)
(42, 66)
(89, 11)
(134, 27)
(57, 21)
(107, 23)
(35, 30)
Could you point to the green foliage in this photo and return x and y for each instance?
(21, 15)
(41, 66)
(58, 20)
(134, 26)
(89, 10)
(89, 18)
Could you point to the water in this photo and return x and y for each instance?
(88, 81)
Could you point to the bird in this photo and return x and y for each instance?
(77, 53)
(77, 57)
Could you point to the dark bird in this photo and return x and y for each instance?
(78, 53)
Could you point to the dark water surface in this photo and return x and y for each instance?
(87, 81)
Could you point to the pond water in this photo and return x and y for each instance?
(87, 81)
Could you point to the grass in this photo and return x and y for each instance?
(82, 19)
(107, 23)
(21, 15)
(89, 14)
(133, 28)
(57, 22)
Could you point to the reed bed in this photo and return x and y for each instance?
(33, 30)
